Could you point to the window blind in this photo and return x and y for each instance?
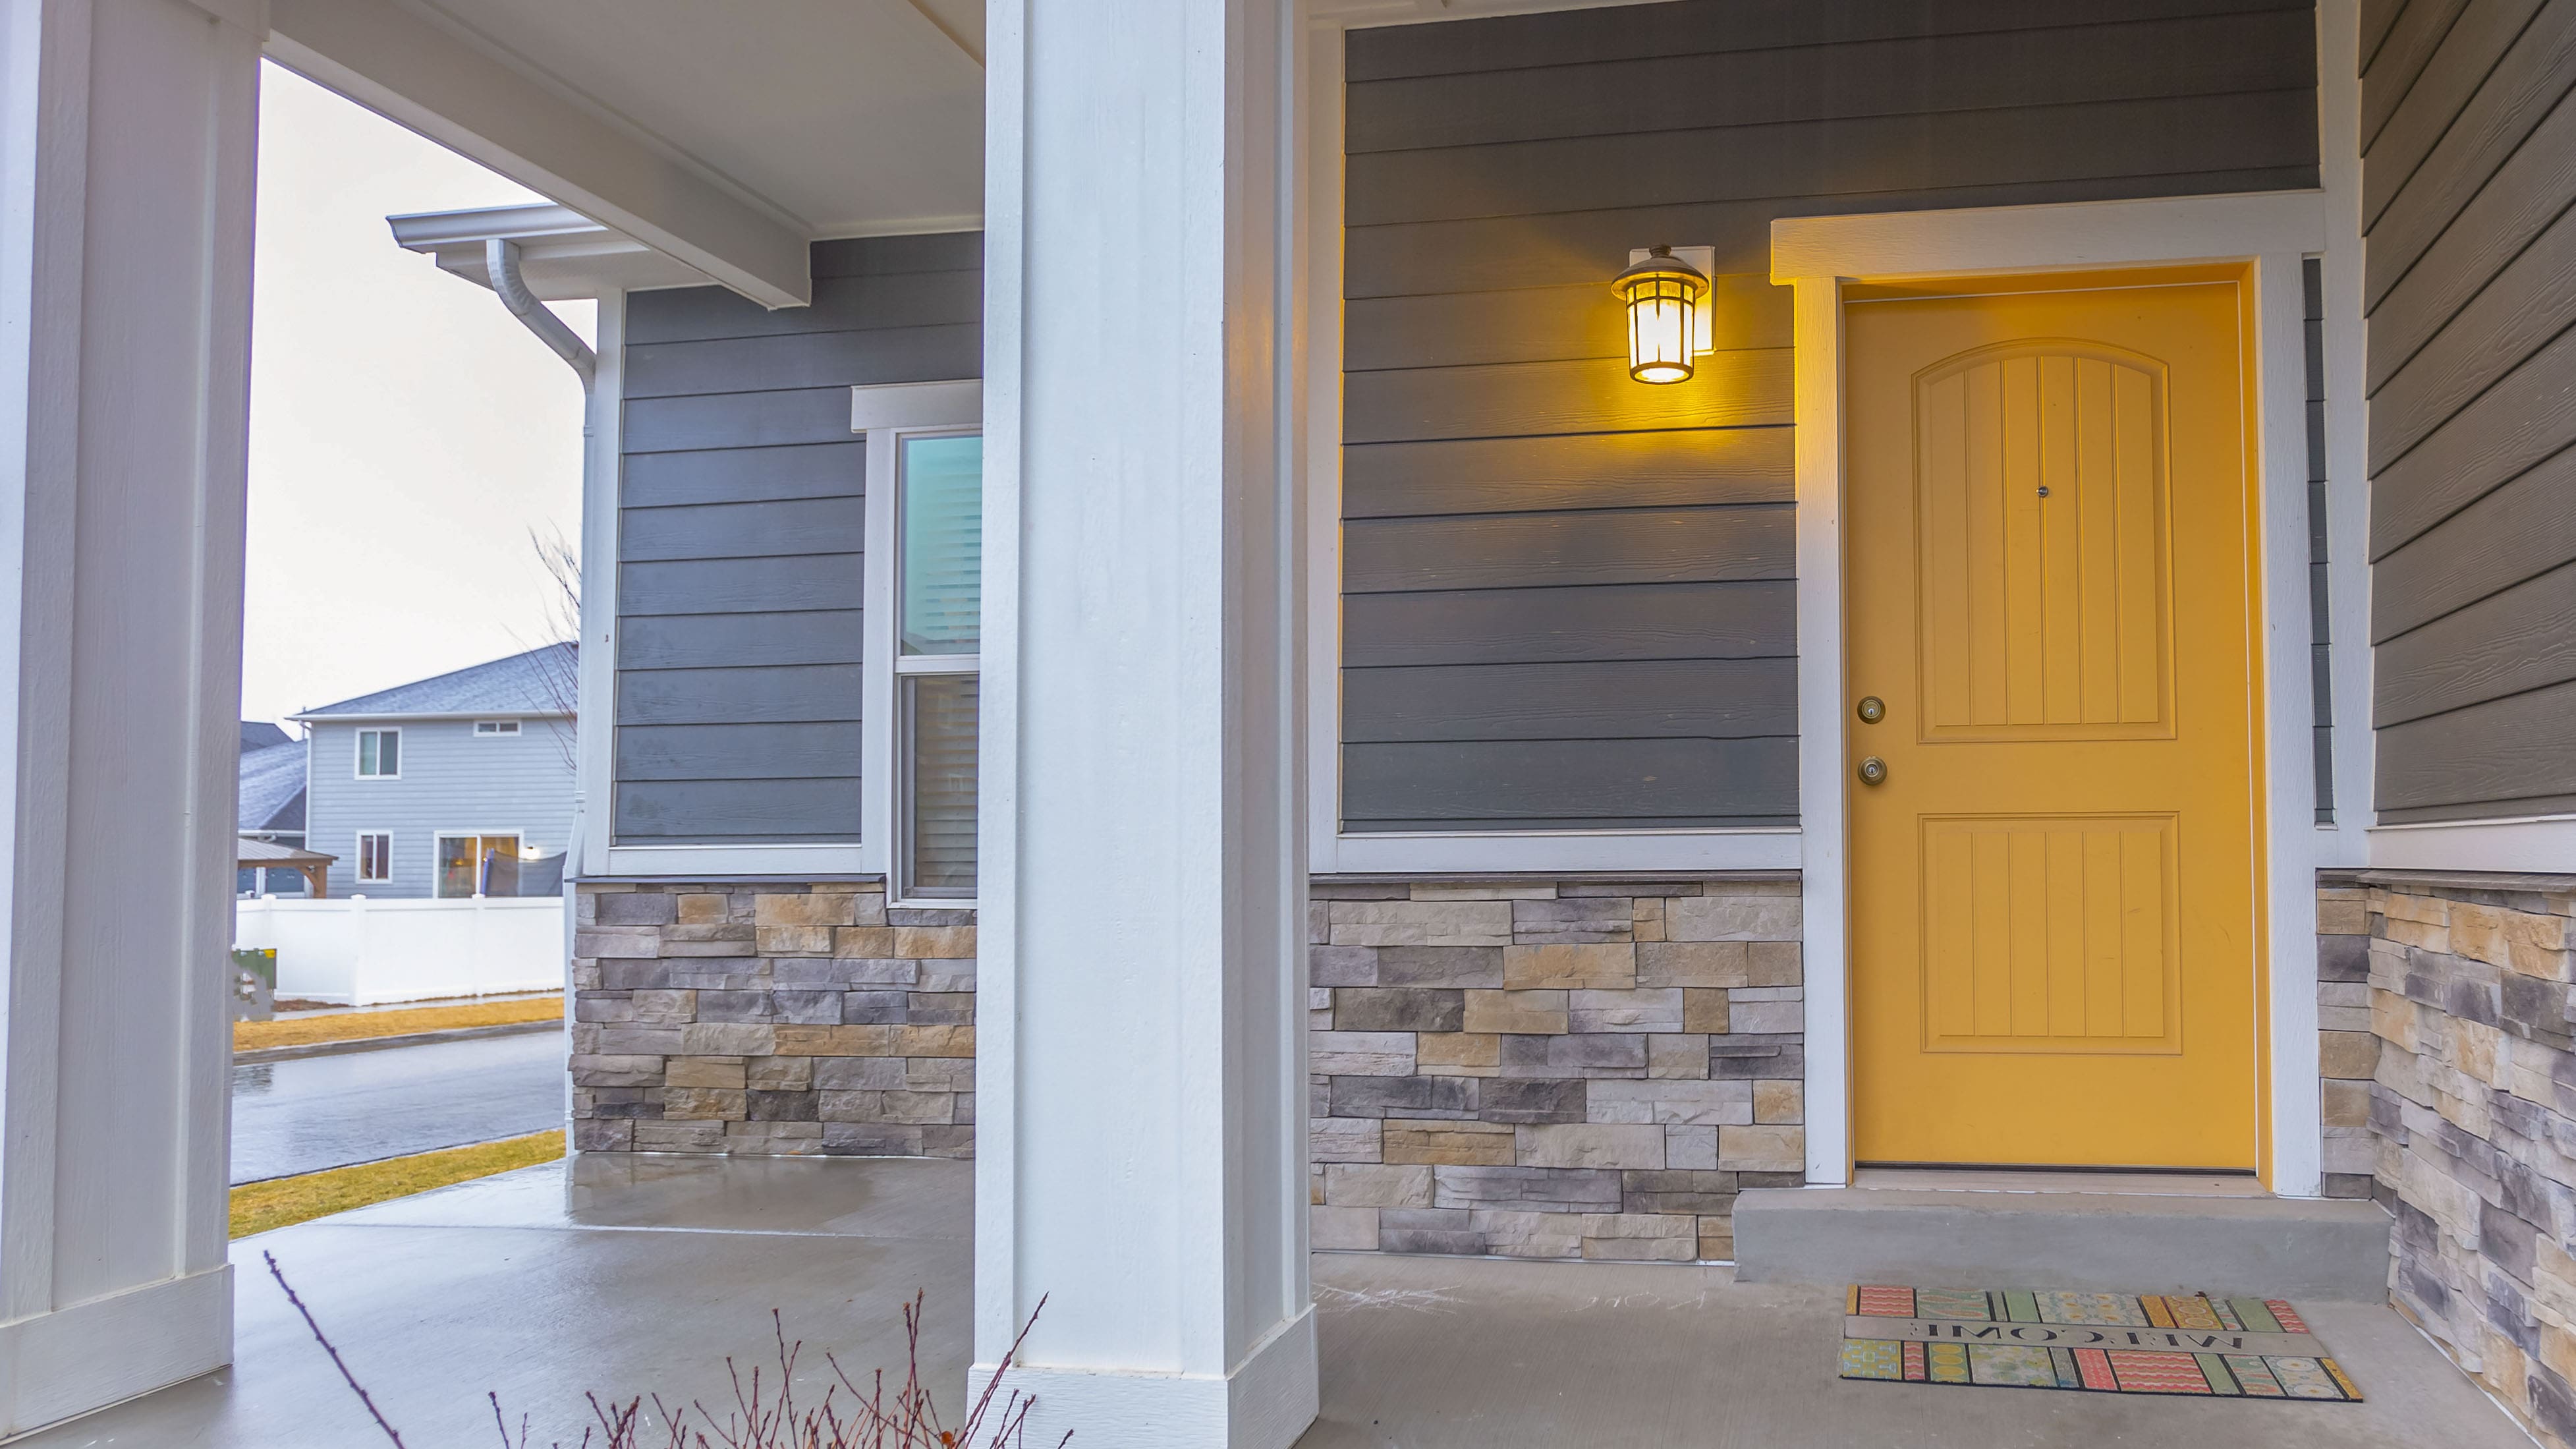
(940, 723)
(943, 544)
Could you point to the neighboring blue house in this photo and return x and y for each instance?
(415, 788)
(272, 801)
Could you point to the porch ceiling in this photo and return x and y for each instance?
(727, 136)
(850, 118)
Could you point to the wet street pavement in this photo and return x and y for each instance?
(317, 1112)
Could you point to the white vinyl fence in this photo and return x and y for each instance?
(361, 952)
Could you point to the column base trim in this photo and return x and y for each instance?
(77, 1360)
(1264, 1403)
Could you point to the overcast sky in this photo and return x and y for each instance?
(406, 432)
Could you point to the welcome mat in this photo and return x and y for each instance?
(2104, 1343)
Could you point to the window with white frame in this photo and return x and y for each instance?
(491, 728)
(379, 754)
(464, 862)
(939, 510)
(375, 856)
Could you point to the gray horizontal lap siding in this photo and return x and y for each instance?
(2468, 176)
(741, 548)
(1568, 600)
(453, 781)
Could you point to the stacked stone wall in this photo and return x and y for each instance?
(2472, 1116)
(2347, 1052)
(771, 1020)
(1553, 1069)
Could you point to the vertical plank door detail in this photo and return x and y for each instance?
(2050, 933)
(2046, 593)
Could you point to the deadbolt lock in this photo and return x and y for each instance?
(1872, 709)
(1873, 771)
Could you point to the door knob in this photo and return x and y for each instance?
(1873, 771)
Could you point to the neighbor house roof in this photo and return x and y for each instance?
(269, 852)
(272, 784)
(538, 682)
(260, 735)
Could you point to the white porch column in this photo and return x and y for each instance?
(1140, 1048)
(126, 155)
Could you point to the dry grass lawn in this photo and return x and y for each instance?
(363, 1025)
(284, 1201)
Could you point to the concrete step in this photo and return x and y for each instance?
(2100, 1241)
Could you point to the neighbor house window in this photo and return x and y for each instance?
(939, 504)
(488, 727)
(463, 861)
(375, 856)
(379, 754)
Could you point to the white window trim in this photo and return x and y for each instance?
(357, 752)
(501, 729)
(436, 837)
(886, 415)
(358, 870)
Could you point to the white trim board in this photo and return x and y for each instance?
(1570, 852)
(603, 484)
(2347, 433)
(2269, 231)
(89, 1355)
(1897, 245)
(2534, 845)
(712, 862)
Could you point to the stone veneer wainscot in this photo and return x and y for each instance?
(771, 1019)
(1552, 1068)
(2470, 1059)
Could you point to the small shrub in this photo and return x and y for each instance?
(767, 1416)
(765, 1413)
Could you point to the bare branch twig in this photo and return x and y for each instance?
(319, 1337)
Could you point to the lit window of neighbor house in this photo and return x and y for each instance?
(375, 855)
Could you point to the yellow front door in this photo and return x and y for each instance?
(2055, 943)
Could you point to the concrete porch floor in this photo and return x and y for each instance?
(638, 1276)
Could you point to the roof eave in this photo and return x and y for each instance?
(434, 716)
(563, 255)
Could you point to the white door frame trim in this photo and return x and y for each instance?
(2272, 232)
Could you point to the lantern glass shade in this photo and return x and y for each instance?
(1664, 297)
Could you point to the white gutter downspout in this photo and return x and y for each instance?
(501, 264)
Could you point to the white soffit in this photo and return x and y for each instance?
(725, 136)
(850, 117)
(563, 255)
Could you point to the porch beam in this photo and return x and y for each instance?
(436, 81)
(1140, 1059)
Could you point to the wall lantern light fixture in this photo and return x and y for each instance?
(1667, 301)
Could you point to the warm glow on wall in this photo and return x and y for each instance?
(1667, 302)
